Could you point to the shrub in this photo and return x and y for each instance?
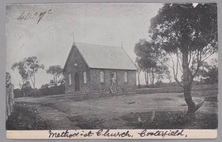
(43, 91)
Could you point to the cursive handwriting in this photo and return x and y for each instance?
(35, 15)
(70, 135)
(107, 133)
(116, 134)
(145, 133)
(82, 133)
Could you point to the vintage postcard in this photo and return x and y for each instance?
(111, 71)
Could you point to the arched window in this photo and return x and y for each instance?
(102, 76)
(125, 77)
(70, 79)
(84, 78)
(114, 75)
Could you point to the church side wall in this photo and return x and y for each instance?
(97, 86)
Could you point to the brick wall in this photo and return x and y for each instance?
(93, 84)
(97, 86)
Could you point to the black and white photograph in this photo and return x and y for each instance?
(112, 66)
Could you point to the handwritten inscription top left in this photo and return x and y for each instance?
(33, 15)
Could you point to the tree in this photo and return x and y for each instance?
(162, 72)
(33, 66)
(168, 76)
(138, 76)
(56, 71)
(28, 67)
(9, 95)
(8, 79)
(209, 72)
(61, 80)
(22, 70)
(188, 35)
(23, 73)
(211, 75)
(150, 60)
(26, 88)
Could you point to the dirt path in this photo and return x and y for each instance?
(64, 111)
(54, 118)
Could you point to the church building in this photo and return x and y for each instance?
(90, 68)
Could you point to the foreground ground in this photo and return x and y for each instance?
(131, 110)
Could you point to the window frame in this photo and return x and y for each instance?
(125, 77)
(70, 79)
(84, 77)
(102, 77)
(115, 75)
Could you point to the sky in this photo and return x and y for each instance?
(51, 38)
(49, 31)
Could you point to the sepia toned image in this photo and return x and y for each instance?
(115, 70)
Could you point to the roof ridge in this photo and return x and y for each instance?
(98, 44)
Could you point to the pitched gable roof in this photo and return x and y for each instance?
(104, 57)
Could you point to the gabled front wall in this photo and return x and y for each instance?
(97, 86)
(76, 58)
(93, 84)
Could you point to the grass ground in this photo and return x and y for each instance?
(68, 111)
(25, 118)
